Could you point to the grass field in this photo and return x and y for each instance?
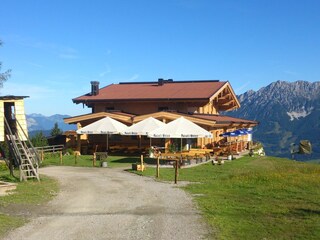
(27, 196)
(256, 198)
(87, 161)
(248, 198)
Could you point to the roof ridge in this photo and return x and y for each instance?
(170, 82)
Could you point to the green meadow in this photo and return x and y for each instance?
(255, 197)
(27, 196)
(247, 198)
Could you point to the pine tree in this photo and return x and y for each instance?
(39, 140)
(55, 131)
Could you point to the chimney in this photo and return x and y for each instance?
(160, 81)
(94, 88)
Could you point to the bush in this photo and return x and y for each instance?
(3, 166)
(69, 151)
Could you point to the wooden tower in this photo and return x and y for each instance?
(13, 131)
(12, 108)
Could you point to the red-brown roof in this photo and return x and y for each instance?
(199, 90)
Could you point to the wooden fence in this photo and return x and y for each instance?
(50, 149)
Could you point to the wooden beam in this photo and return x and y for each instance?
(225, 96)
(93, 116)
(227, 103)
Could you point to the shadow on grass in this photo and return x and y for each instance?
(8, 178)
(305, 212)
(125, 160)
(135, 159)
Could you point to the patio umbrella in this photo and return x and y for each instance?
(236, 133)
(229, 134)
(247, 130)
(144, 127)
(105, 125)
(180, 128)
(241, 132)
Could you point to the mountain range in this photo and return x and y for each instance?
(38, 122)
(287, 112)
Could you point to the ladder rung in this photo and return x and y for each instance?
(31, 173)
(27, 169)
(26, 166)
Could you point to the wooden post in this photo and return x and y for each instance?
(79, 142)
(141, 162)
(76, 158)
(158, 167)
(176, 171)
(42, 156)
(94, 159)
(166, 145)
(237, 146)
(61, 158)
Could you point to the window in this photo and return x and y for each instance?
(109, 109)
(163, 108)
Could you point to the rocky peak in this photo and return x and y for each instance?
(290, 95)
(287, 112)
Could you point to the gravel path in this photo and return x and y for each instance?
(105, 203)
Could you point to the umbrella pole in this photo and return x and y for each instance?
(180, 162)
(107, 142)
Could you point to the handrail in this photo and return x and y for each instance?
(29, 142)
(14, 153)
(25, 156)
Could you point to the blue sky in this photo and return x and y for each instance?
(55, 48)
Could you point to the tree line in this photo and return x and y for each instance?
(40, 140)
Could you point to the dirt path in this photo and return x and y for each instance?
(104, 203)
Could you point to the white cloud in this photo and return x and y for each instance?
(46, 100)
(64, 52)
(290, 72)
(68, 56)
(107, 70)
(35, 64)
(67, 52)
(134, 77)
(37, 92)
(242, 87)
(102, 74)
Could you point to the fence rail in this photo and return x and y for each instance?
(52, 149)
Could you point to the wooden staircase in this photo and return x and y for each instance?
(23, 153)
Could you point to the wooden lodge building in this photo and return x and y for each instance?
(130, 102)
